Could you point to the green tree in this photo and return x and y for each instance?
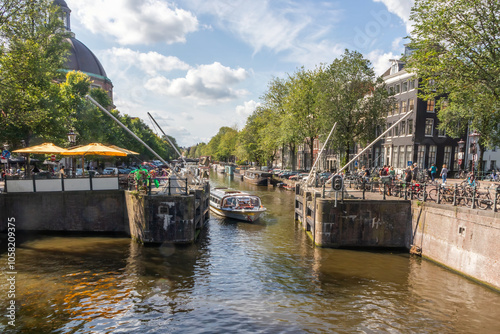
(353, 97)
(456, 55)
(278, 132)
(31, 55)
(302, 115)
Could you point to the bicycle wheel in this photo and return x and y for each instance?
(432, 195)
(483, 201)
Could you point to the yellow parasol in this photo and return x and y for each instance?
(45, 148)
(95, 149)
(124, 150)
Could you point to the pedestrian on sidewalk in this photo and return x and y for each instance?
(433, 171)
(444, 173)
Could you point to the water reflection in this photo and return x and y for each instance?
(239, 278)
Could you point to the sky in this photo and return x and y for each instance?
(198, 65)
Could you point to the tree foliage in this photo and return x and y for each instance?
(32, 52)
(354, 98)
(457, 56)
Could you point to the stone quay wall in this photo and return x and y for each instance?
(74, 211)
(156, 218)
(461, 239)
(168, 218)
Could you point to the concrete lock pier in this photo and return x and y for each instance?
(150, 219)
(461, 239)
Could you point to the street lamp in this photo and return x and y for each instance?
(72, 138)
(473, 147)
(72, 142)
(461, 150)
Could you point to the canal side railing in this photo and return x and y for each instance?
(471, 196)
(35, 184)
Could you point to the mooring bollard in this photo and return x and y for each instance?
(455, 190)
(384, 192)
(495, 200)
(474, 197)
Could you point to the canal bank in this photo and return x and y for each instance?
(265, 277)
(461, 239)
(153, 218)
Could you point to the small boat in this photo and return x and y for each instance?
(257, 177)
(236, 204)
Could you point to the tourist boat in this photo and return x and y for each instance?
(257, 177)
(236, 204)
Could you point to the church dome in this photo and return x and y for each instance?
(84, 60)
(61, 3)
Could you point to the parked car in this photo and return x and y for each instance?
(86, 172)
(110, 171)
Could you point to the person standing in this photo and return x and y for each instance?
(392, 173)
(433, 171)
(408, 175)
(415, 173)
(444, 173)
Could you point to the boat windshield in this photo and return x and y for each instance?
(241, 202)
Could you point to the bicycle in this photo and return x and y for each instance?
(446, 194)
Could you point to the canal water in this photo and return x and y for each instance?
(265, 277)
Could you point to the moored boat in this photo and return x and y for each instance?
(236, 204)
(257, 177)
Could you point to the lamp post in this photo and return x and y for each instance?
(6, 156)
(72, 142)
(473, 148)
(461, 150)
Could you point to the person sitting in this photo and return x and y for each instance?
(471, 180)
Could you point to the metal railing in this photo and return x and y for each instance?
(471, 196)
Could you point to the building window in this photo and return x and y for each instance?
(391, 90)
(432, 154)
(493, 164)
(430, 105)
(411, 105)
(395, 108)
(404, 86)
(412, 84)
(389, 133)
(442, 133)
(402, 157)
(397, 88)
(396, 131)
(429, 127)
(447, 155)
(395, 156)
(403, 129)
(403, 107)
(421, 156)
(409, 155)
(410, 126)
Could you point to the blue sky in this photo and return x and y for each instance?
(198, 65)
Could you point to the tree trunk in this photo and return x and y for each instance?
(292, 156)
(311, 148)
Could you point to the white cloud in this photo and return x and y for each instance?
(296, 28)
(206, 83)
(380, 60)
(402, 9)
(152, 62)
(247, 108)
(135, 22)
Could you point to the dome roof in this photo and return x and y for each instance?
(61, 3)
(82, 59)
